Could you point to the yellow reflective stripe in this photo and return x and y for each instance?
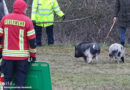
(1, 30)
(21, 40)
(37, 2)
(32, 50)
(34, 7)
(44, 9)
(15, 53)
(29, 33)
(34, 4)
(58, 11)
(6, 38)
(56, 7)
(42, 14)
(14, 22)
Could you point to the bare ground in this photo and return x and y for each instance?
(70, 73)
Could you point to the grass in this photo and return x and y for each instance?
(70, 73)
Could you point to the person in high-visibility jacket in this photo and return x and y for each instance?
(43, 11)
(17, 36)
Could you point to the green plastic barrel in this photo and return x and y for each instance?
(39, 77)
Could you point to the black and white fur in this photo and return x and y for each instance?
(117, 51)
(87, 50)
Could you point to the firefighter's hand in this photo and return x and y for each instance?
(32, 59)
(63, 17)
(34, 22)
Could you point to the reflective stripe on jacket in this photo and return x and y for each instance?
(43, 11)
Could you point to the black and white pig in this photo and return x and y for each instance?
(116, 51)
(87, 50)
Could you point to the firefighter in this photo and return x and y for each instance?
(3, 9)
(18, 45)
(43, 11)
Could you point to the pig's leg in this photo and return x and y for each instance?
(89, 59)
(85, 58)
(118, 60)
(97, 58)
(122, 58)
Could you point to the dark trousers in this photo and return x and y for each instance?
(17, 70)
(49, 32)
(122, 35)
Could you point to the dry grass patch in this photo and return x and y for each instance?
(70, 73)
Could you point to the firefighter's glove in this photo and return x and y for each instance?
(34, 22)
(32, 59)
(63, 17)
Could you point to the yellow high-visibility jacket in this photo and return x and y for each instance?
(43, 11)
